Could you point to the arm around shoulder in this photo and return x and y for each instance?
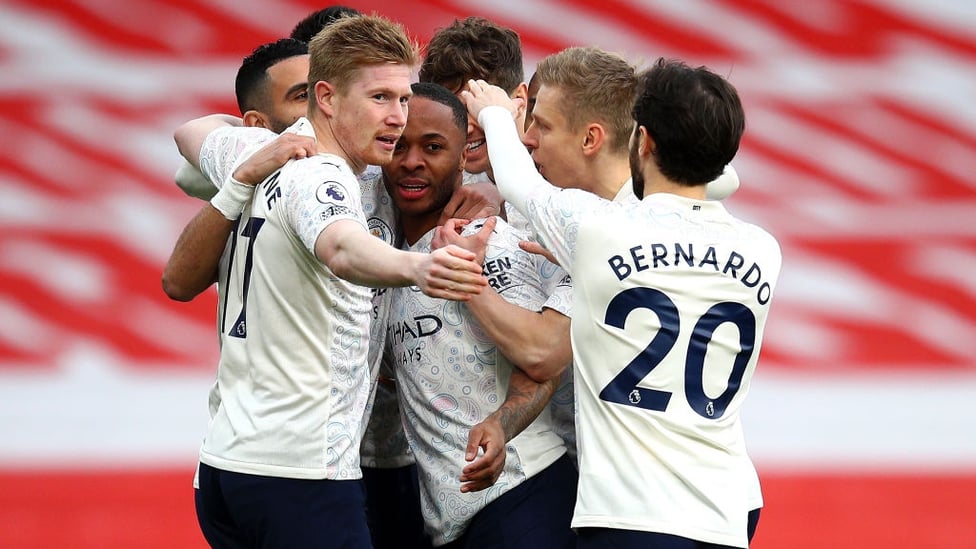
(189, 137)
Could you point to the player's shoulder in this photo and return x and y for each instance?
(372, 175)
(756, 232)
(243, 139)
(504, 241)
(580, 201)
(502, 228)
(760, 240)
(320, 168)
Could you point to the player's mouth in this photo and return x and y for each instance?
(388, 141)
(477, 154)
(412, 188)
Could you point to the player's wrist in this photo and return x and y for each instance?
(231, 198)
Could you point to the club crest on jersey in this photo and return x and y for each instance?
(380, 229)
(329, 192)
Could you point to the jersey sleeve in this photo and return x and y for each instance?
(515, 173)
(192, 182)
(320, 194)
(224, 148)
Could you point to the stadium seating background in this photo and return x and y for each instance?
(858, 156)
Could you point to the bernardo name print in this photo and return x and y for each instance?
(660, 256)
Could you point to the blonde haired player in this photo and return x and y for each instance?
(280, 462)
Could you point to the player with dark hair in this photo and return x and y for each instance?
(452, 380)
(671, 297)
(478, 48)
(313, 23)
(272, 92)
(272, 85)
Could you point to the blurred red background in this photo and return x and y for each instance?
(858, 156)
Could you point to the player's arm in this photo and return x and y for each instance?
(357, 256)
(189, 140)
(192, 267)
(524, 402)
(537, 341)
(473, 201)
(514, 170)
(192, 182)
(190, 136)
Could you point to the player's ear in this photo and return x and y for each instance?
(464, 159)
(325, 94)
(593, 138)
(521, 95)
(255, 119)
(645, 144)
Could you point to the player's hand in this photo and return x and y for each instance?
(473, 201)
(483, 471)
(451, 273)
(480, 94)
(450, 233)
(273, 156)
(534, 247)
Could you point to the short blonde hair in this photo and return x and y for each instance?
(354, 42)
(597, 86)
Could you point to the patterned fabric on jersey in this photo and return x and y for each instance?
(384, 444)
(450, 377)
(293, 380)
(559, 288)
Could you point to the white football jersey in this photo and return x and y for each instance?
(563, 403)
(293, 381)
(384, 444)
(671, 297)
(451, 377)
(559, 288)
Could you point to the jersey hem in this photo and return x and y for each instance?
(279, 471)
(697, 534)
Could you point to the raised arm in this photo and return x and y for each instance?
(515, 173)
(192, 182)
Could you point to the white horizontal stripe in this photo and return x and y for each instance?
(97, 413)
(880, 421)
